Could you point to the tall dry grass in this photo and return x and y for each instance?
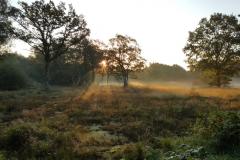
(184, 89)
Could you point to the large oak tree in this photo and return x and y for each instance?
(124, 57)
(213, 48)
(50, 29)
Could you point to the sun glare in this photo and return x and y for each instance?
(103, 64)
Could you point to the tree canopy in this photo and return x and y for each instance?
(4, 22)
(213, 48)
(161, 72)
(50, 29)
(124, 56)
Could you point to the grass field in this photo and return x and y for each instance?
(189, 89)
(107, 122)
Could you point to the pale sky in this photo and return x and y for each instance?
(160, 26)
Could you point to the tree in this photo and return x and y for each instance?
(51, 30)
(213, 48)
(92, 56)
(4, 23)
(124, 57)
(163, 72)
(88, 55)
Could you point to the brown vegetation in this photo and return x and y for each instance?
(107, 122)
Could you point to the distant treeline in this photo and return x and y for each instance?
(163, 72)
(19, 72)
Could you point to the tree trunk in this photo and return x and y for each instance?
(46, 83)
(93, 75)
(125, 80)
(219, 80)
(107, 78)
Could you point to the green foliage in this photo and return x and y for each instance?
(12, 77)
(161, 72)
(55, 29)
(213, 48)
(152, 154)
(65, 74)
(220, 130)
(18, 72)
(26, 141)
(210, 77)
(186, 152)
(134, 152)
(16, 139)
(4, 23)
(124, 57)
(223, 157)
(165, 144)
(3, 6)
(77, 67)
(2, 157)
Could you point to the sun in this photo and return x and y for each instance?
(103, 63)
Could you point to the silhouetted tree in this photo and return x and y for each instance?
(4, 22)
(92, 55)
(214, 48)
(124, 57)
(88, 55)
(50, 29)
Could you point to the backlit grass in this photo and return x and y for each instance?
(104, 122)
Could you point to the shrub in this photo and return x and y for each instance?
(16, 140)
(128, 152)
(138, 152)
(11, 77)
(221, 130)
(27, 141)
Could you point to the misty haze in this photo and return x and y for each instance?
(119, 80)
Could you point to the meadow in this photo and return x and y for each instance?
(142, 121)
(56, 105)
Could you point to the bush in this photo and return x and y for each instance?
(16, 140)
(128, 152)
(11, 77)
(27, 141)
(133, 152)
(221, 130)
